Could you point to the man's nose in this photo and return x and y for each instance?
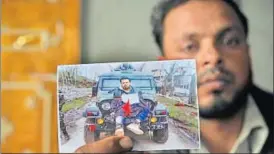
(211, 57)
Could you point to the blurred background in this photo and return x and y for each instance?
(38, 35)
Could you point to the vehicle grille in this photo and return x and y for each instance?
(162, 119)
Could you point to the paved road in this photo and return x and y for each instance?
(174, 142)
(77, 138)
(76, 133)
(141, 143)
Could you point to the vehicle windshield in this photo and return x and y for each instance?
(109, 84)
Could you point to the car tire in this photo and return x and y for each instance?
(90, 137)
(161, 135)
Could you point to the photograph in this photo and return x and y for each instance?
(153, 102)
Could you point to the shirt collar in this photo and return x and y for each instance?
(254, 129)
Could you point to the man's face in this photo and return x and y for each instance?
(125, 84)
(211, 33)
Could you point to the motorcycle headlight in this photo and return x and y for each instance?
(105, 106)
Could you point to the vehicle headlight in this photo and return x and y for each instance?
(105, 106)
(153, 120)
(100, 121)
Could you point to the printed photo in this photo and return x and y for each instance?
(153, 102)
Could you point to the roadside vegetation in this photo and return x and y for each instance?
(184, 114)
(74, 104)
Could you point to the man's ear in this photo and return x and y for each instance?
(161, 58)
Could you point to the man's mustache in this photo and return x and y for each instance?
(224, 75)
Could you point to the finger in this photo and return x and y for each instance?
(113, 144)
(117, 144)
(160, 58)
(126, 143)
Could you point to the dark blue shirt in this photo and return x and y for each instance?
(119, 91)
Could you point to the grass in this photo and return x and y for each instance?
(166, 101)
(179, 113)
(76, 103)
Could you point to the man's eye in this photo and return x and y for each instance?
(232, 42)
(191, 47)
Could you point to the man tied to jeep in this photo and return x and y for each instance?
(125, 88)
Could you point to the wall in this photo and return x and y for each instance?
(119, 30)
(260, 14)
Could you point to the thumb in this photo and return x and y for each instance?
(160, 58)
(112, 144)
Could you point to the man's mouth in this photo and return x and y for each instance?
(215, 80)
(216, 85)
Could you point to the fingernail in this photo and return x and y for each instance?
(126, 143)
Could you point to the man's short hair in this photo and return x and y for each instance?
(124, 78)
(165, 6)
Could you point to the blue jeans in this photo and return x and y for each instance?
(138, 110)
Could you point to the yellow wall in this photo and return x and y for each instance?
(36, 36)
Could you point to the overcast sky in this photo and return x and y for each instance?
(91, 70)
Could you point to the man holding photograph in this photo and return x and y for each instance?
(235, 115)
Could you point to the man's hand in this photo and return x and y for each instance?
(112, 144)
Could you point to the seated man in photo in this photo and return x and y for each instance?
(130, 105)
